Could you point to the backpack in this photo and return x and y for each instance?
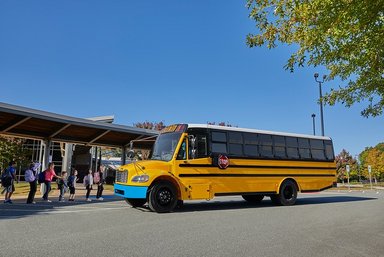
(41, 177)
(60, 182)
(6, 178)
(85, 180)
(70, 181)
(96, 177)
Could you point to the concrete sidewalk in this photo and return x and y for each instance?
(54, 194)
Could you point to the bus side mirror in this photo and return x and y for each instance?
(131, 154)
(192, 142)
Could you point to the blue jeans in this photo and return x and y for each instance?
(47, 189)
(62, 191)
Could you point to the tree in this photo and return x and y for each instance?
(143, 153)
(343, 159)
(345, 36)
(150, 125)
(375, 158)
(11, 149)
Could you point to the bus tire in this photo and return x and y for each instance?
(180, 204)
(275, 199)
(162, 197)
(253, 198)
(136, 202)
(287, 194)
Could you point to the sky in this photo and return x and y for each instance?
(175, 61)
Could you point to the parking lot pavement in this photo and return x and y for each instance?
(330, 223)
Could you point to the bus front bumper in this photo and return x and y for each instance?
(127, 191)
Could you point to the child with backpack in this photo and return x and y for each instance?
(62, 185)
(71, 182)
(88, 182)
(7, 180)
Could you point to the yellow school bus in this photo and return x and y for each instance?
(198, 161)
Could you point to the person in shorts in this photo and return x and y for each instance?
(10, 176)
(71, 182)
(62, 185)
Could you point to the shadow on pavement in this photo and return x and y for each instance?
(20, 209)
(266, 203)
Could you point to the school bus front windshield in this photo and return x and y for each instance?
(165, 146)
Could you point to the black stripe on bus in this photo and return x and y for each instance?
(246, 193)
(256, 167)
(253, 175)
(312, 191)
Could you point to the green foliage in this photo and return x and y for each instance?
(345, 36)
(373, 156)
(343, 159)
(111, 152)
(12, 149)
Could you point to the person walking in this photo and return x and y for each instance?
(62, 185)
(88, 182)
(49, 175)
(7, 179)
(98, 179)
(71, 182)
(30, 176)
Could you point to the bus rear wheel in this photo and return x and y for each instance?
(253, 198)
(136, 202)
(162, 197)
(287, 194)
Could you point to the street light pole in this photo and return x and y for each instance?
(313, 123)
(316, 75)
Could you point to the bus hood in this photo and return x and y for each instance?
(147, 167)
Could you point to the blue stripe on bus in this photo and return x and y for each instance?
(130, 191)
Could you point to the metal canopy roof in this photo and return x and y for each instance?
(35, 124)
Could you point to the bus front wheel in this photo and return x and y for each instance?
(287, 194)
(253, 198)
(135, 202)
(162, 197)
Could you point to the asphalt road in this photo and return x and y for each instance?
(321, 224)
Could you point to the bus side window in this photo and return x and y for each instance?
(200, 146)
(219, 142)
(182, 154)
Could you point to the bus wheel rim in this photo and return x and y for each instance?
(164, 196)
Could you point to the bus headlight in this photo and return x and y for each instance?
(140, 178)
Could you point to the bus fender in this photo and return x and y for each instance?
(166, 178)
(285, 179)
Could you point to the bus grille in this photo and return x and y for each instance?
(121, 176)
